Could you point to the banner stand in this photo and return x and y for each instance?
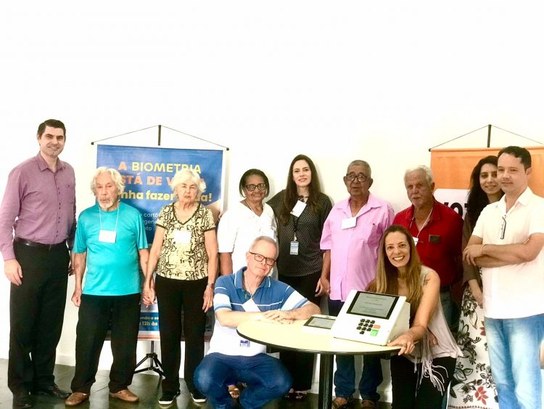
(142, 183)
(488, 145)
(155, 364)
(159, 136)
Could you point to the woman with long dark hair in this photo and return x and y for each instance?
(473, 385)
(301, 209)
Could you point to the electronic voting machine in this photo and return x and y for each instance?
(372, 318)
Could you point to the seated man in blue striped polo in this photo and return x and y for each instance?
(249, 294)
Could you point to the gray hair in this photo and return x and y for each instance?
(267, 239)
(115, 177)
(421, 168)
(359, 162)
(185, 175)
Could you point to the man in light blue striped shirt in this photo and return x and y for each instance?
(249, 294)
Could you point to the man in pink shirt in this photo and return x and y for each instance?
(350, 241)
(37, 222)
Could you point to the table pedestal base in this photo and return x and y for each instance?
(325, 381)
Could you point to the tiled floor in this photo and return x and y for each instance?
(145, 385)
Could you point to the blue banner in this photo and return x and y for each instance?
(147, 173)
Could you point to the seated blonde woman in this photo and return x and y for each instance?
(425, 364)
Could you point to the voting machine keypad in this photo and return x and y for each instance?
(368, 325)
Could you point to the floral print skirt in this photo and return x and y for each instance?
(472, 385)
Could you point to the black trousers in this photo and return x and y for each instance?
(173, 297)
(408, 393)
(97, 314)
(36, 311)
(301, 364)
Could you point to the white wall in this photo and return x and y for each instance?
(381, 81)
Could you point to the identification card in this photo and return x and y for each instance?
(182, 237)
(107, 236)
(298, 209)
(349, 223)
(293, 248)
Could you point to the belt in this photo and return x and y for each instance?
(30, 243)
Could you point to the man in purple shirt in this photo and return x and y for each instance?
(37, 220)
(350, 240)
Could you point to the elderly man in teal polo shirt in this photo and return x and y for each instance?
(110, 249)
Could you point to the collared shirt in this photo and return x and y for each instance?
(513, 291)
(38, 205)
(229, 294)
(438, 242)
(113, 267)
(354, 250)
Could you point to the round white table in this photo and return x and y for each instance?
(318, 341)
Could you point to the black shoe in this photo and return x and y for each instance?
(22, 400)
(167, 398)
(198, 397)
(53, 391)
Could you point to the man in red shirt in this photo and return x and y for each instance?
(437, 231)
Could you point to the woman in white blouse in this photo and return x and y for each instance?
(248, 219)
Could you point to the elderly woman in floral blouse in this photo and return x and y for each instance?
(184, 254)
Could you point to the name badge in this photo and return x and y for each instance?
(298, 209)
(182, 237)
(416, 239)
(293, 248)
(107, 236)
(349, 223)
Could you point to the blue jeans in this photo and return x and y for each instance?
(514, 347)
(450, 309)
(265, 376)
(344, 377)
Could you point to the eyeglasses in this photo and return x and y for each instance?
(361, 177)
(503, 227)
(252, 187)
(259, 258)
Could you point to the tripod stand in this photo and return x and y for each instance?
(154, 364)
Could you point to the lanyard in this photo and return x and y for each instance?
(295, 227)
(116, 218)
